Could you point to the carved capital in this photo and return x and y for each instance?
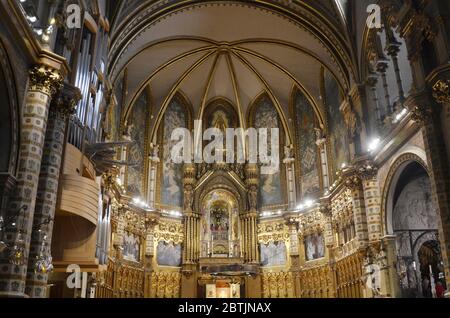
(441, 91)
(353, 182)
(65, 100)
(367, 171)
(419, 106)
(45, 79)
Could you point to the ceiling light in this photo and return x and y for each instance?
(32, 19)
(373, 145)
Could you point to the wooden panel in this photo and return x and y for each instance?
(75, 163)
(79, 197)
(74, 242)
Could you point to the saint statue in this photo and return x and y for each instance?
(252, 197)
(188, 198)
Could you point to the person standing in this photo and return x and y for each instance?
(440, 290)
(426, 288)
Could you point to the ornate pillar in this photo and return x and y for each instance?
(61, 107)
(372, 81)
(372, 199)
(381, 69)
(289, 162)
(294, 255)
(321, 143)
(191, 235)
(249, 219)
(392, 49)
(151, 220)
(353, 183)
(153, 161)
(43, 83)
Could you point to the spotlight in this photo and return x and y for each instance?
(373, 145)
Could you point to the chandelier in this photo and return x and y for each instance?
(43, 263)
(17, 255)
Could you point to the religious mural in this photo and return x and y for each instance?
(137, 128)
(172, 174)
(270, 191)
(168, 254)
(116, 116)
(414, 209)
(314, 246)
(131, 247)
(305, 124)
(273, 254)
(336, 126)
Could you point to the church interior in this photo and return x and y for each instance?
(92, 204)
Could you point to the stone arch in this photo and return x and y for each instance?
(387, 204)
(221, 180)
(9, 115)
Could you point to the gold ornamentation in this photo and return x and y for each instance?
(441, 91)
(65, 100)
(45, 79)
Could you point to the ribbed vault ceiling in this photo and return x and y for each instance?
(231, 51)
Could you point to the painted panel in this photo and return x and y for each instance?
(414, 209)
(172, 174)
(136, 155)
(131, 247)
(168, 254)
(314, 246)
(118, 92)
(273, 254)
(270, 191)
(305, 123)
(336, 126)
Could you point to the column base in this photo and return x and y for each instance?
(8, 294)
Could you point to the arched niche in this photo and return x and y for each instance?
(170, 175)
(412, 217)
(219, 225)
(220, 109)
(272, 187)
(392, 180)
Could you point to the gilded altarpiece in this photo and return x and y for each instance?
(274, 243)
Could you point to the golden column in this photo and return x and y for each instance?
(44, 81)
(151, 220)
(249, 218)
(191, 235)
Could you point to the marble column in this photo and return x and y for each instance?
(44, 81)
(61, 107)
